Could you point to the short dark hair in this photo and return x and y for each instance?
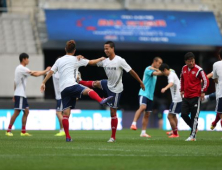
(112, 45)
(70, 46)
(189, 56)
(164, 66)
(23, 56)
(157, 58)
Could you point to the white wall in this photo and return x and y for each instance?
(8, 64)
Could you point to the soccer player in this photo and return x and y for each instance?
(175, 107)
(70, 90)
(113, 66)
(55, 78)
(217, 76)
(191, 76)
(146, 96)
(21, 103)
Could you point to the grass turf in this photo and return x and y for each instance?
(89, 150)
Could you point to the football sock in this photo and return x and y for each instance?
(23, 129)
(114, 123)
(175, 131)
(9, 128)
(87, 83)
(93, 95)
(65, 123)
(61, 130)
(216, 119)
(134, 123)
(143, 132)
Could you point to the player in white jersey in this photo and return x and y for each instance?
(175, 107)
(21, 75)
(69, 88)
(113, 66)
(217, 76)
(55, 78)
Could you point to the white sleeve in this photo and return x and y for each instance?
(125, 66)
(25, 71)
(214, 72)
(55, 67)
(83, 62)
(100, 64)
(170, 78)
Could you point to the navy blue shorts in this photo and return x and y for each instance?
(149, 103)
(59, 106)
(116, 96)
(21, 103)
(219, 105)
(175, 108)
(69, 95)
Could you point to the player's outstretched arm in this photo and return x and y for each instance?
(157, 73)
(40, 73)
(42, 88)
(167, 87)
(94, 62)
(210, 75)
(135, 76)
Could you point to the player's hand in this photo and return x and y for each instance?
(182, 94)
(42, 88)
(13, 99)
(142, 86)
(163, 90)
(79, 57)
(202, 96)
(48, 69)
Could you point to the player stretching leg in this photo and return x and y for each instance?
(21, 74)
(146, 96)
(175, 107)
(113, 66)
(55, 78)
(70, 90)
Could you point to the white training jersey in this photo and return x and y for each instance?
(175, 92)
(217, 73)
(55, 78)
(68, 66)
(21, 74)
(114, 71)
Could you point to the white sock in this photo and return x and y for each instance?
(61, 130)
(134, 123)
(143, 132)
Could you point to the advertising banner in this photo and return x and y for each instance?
(204, 121)
(47, 120)
(134, 26)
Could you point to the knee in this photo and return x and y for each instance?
(146, 114)
(113, 112)
(96, 84)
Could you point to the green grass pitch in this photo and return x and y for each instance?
(90, 151)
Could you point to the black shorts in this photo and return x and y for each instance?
(116, 96)
(149, 103)
(21, 103)
(69, 95)
(175, 108)
(59, 105)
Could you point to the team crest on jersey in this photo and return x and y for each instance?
(193, 72)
